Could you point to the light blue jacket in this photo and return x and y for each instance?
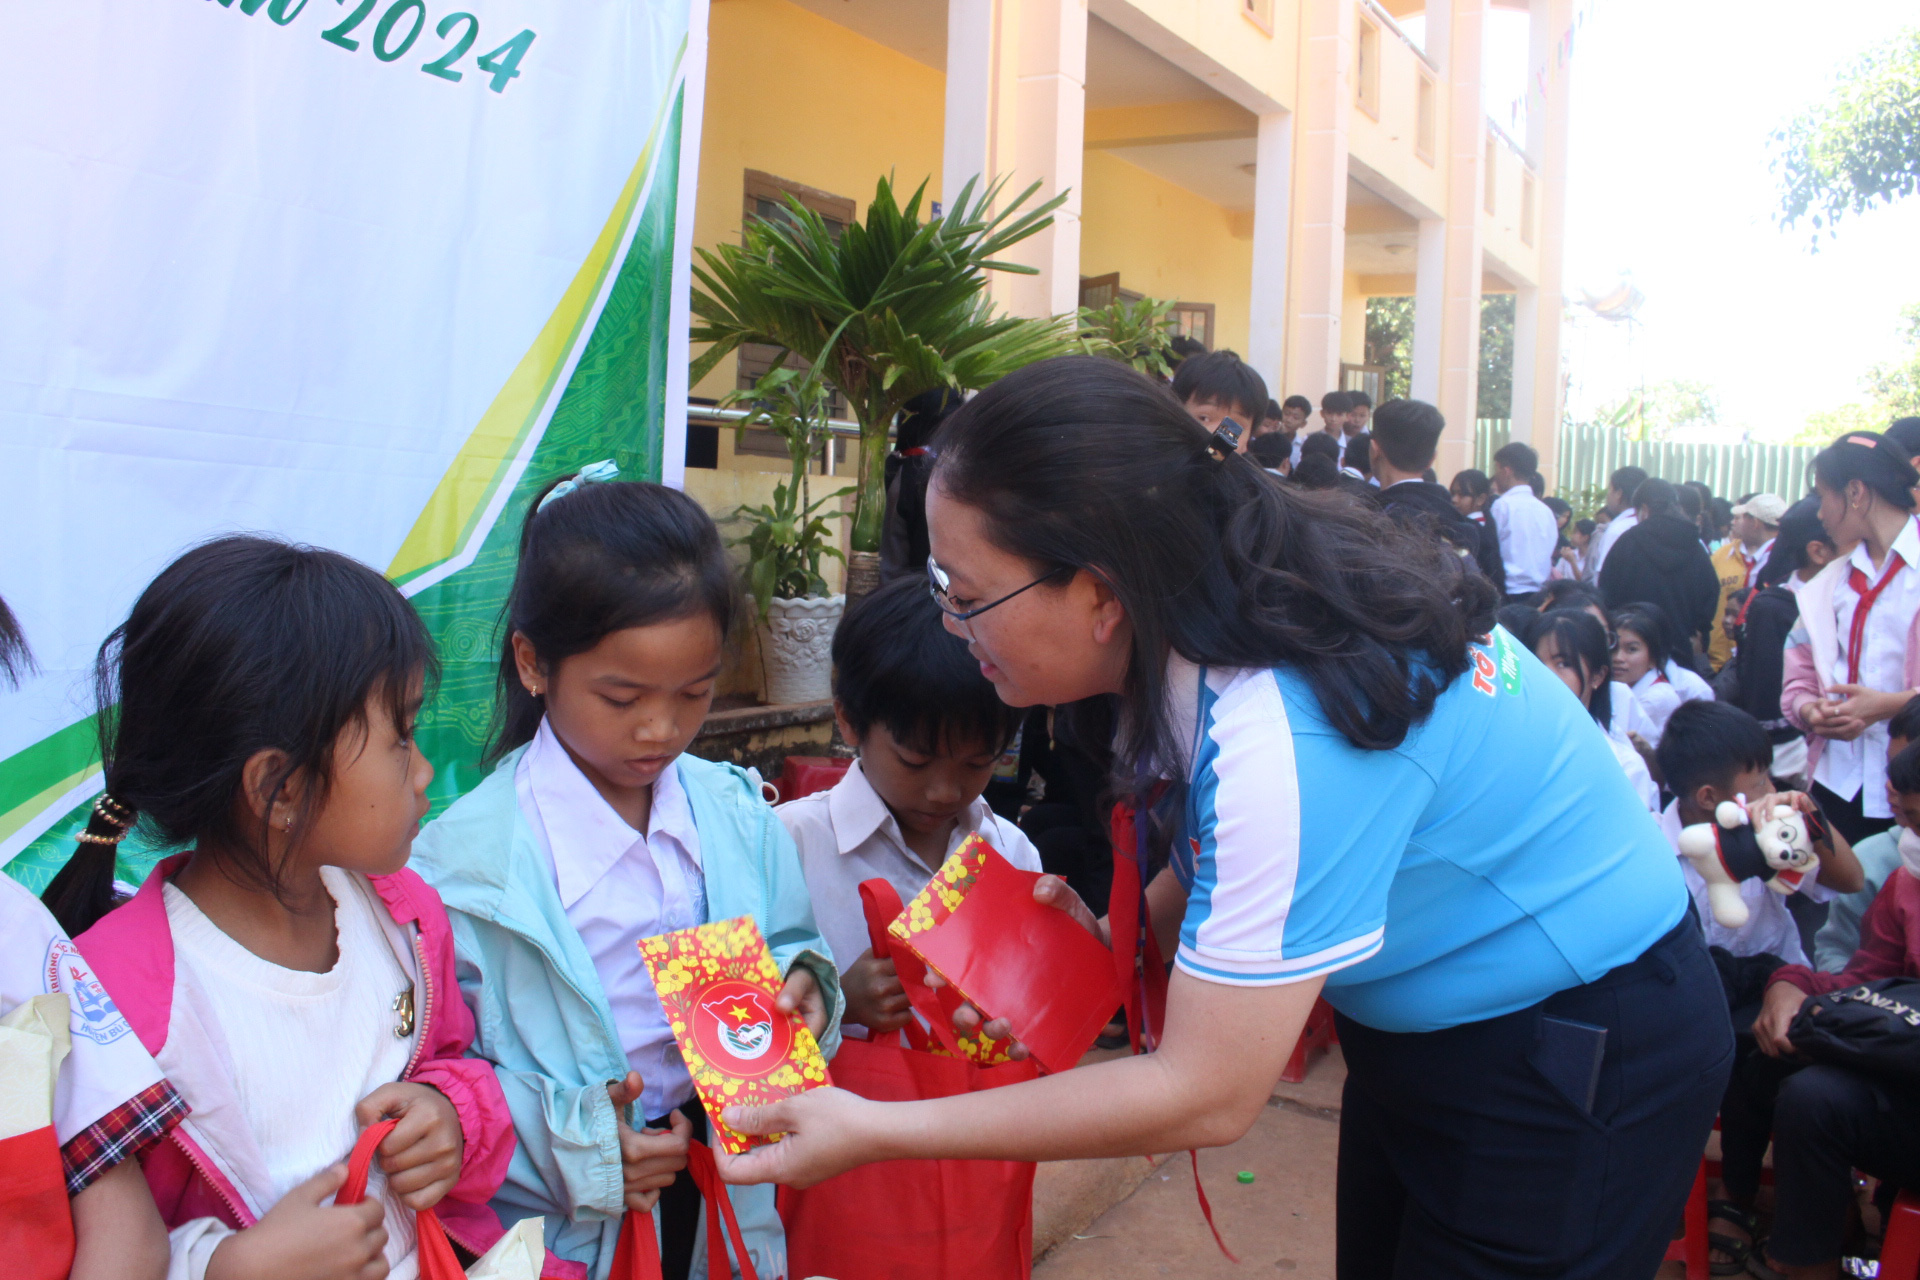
(542, 1017)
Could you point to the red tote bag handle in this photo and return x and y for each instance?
(881, 902)
(637, 1257)
(437, 1259)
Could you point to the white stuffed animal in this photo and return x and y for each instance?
(1729, 850)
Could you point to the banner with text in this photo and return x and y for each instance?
(357, 273)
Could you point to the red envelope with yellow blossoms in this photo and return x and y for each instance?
(977, 926)
(718, 983)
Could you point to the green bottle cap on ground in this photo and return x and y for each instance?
(1244, 1176)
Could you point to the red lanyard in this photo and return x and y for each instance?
(1856, 634)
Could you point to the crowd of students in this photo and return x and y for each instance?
(311, 960)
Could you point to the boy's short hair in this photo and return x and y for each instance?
(1223, 378)
(1359, 455)
(1707, 744)
(1301, 403)
(1518, 457)
(1408, 432)
(1359, 400)
(1903, 771)
(1627, 481)
(1657, 498)
(1333, 402)
(895, 664)
(1321, 445)
(1905, 723)
(1272, 449)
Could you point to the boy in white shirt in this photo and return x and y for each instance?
(928, 728)
(1713, 752)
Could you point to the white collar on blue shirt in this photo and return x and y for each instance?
(585, 835)
(859, 814)
(1907, 544)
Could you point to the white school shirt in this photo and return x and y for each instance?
(1629, 716)
(1859, 768)
(1659, 699)
(1687, 682)
(106, 1065)
(1769, 930)
(306, 1047)
(1603, 542)
(619, 886)
(847, 834)
(1528, 536)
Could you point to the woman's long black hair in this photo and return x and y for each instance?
(1578, 637)
(1079, 462)
(600, 558)
(242, 645)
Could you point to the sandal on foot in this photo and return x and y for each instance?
(1737, 1251)
(1757, 1263)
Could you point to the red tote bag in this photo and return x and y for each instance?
(36, 1221)
(924, 1219)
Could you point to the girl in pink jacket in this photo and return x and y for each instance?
(292, 979)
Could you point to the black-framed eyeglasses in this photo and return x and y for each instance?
(938, 584)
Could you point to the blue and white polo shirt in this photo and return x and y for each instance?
(1497, 856)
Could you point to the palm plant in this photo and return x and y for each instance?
(1135, 333)
(891, 308)
(786, 538)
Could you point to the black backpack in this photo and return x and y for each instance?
(1872, 1027)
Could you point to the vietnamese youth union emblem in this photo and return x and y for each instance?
(738, 1030)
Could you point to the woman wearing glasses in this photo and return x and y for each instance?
(1359, 797)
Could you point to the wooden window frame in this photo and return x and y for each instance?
(1366, 68)
(1426, 116)
(765, 186)
(1259, 13)
(1205, 310)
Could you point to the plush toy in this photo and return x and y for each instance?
(1729, 850)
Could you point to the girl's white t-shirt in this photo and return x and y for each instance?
(307, 1047)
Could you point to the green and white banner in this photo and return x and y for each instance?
(358, 273)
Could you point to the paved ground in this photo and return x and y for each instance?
(1281, 1223)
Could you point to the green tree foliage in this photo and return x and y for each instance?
(1893, 391)
(1663, 410)
(1860, 147)
(1496, 356)
(786, 538)
(884, 311)
(1390, 344)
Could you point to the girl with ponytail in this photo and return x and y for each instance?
(1360, 785)
(292, 978)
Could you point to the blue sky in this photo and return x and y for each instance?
(1673, 106)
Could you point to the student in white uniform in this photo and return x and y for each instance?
(928, 728)
(1853, 659)
(1574, 647)
(1639, 662)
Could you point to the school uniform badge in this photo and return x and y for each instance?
(717, 984)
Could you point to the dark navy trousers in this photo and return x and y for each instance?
(1525, 1145)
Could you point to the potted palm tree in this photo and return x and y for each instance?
(890, 308)
(786, 540)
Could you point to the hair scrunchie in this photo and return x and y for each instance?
(598, 473)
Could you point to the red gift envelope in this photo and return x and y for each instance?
(717, 984)
(979, 928)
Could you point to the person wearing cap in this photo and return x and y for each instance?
(1756, 520)
(1853, 659)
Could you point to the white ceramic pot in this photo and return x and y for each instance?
(796, 644)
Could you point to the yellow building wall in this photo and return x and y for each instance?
(1167, 242)
(1353, 319)
(796, 96)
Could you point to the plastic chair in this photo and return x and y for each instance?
(804, 775)
(1900, 1245)
(1316, 1038)
(1692, 1248)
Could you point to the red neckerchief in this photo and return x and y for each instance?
(1857, 632)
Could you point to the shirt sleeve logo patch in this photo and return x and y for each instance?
(1503, 664)
(95, 1016)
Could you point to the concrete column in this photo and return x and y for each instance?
(1272, 193)
(1050, 109)
(1547, 117)
(1319, 205)
(1429, 302)
(1464, 148)
(971, 98)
